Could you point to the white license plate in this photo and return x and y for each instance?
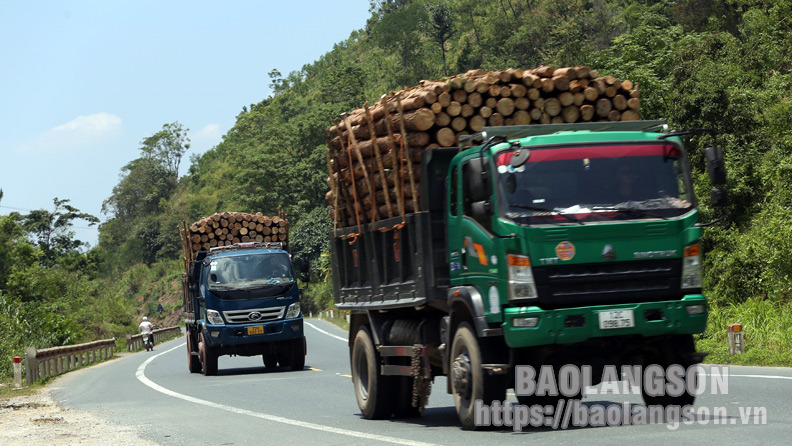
(616, 319)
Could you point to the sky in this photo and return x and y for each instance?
(82, 83)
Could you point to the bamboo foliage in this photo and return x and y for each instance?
(374, 151)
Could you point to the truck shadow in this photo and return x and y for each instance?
(234, 371)
(447, 417)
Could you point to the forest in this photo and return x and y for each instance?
(723, 65)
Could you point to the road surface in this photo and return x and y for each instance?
(246, 404)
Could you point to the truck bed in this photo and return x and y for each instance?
(383, 267)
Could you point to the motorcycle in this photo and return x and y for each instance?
(148, 342)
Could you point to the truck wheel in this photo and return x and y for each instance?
(193, 361)
(548, 400)
(371, 388)
(297, 354)
(208, 358)
(282, 352)
(469, 381)
(679, 350)
(270, 360)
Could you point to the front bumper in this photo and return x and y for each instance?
(571, 325)
(229, 335)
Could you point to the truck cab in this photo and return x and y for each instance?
(243, 300)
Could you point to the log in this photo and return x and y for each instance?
(445, 137)
(478, 122)
(454, 109)
(619, 102)
(442, 119)
(475, 99)
(630, 115)
(552, 106)
(521, 117)
(570, 113)
(459, 123)
(604, 106)
(505, 106)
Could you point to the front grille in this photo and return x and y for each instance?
(243, 316)
(608, 283)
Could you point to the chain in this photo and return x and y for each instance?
(422, 385)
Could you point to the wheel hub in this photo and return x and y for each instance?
(462, 376)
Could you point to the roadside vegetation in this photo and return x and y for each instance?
(722, 65)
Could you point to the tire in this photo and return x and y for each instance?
(282, 352)
(208, 358)
(674, 350)
(469, 381)
(193, 361)
(270, 360)
(545, 400)
(371, 388)
(297, 354)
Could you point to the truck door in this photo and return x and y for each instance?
(473, 260)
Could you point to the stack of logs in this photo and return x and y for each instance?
(228, 228)
(386, 140)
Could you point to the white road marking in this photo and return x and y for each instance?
(759, 376)
(141, 376)
(322, 331)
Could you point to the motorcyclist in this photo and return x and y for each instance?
(145, 329)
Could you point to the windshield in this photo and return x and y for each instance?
(250, 271)
(594, 183)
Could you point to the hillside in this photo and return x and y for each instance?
(720, 65)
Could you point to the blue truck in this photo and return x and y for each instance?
(241, 298)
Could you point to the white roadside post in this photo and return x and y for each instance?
(736, 345)
(17, 372)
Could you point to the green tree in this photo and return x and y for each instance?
(441, 28)
(167, 146)
(52, 229)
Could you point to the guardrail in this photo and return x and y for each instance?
(56, 360)
(135, 342)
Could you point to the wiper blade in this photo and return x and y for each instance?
(629, 210)
(548, 210)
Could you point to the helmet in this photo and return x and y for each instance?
(145, 318)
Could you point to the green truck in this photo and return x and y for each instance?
(544, 245)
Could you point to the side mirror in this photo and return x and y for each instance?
(478, 179)
(481, 210)
(719, 197)
(715, 165)
(303, 267)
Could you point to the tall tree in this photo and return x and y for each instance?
(167, 146)
(441, 28)
(52, 229)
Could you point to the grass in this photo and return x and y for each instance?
(8, 391)
(767, 334)
(339, 319)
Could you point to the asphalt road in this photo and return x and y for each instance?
(246, 404)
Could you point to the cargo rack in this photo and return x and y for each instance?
(524, 131)
(247, 245)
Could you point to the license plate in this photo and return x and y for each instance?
(616, 319)
(258, 329)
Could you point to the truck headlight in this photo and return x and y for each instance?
(293, 311)
(691, 267)
(213, 317)
(521, 281)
